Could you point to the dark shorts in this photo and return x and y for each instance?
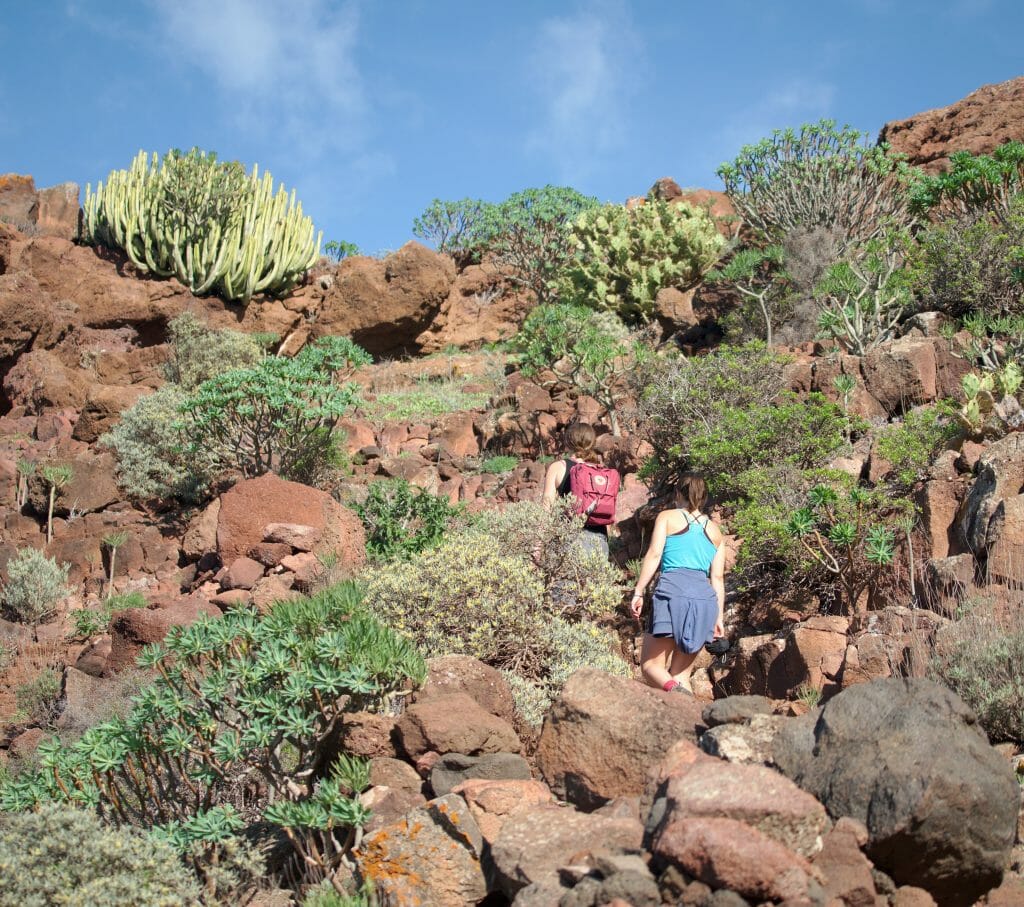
(685, 607)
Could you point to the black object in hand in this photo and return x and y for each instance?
(718, 646)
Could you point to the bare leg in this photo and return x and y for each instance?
(682, 664)
(654, 659)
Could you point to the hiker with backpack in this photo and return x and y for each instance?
(593, 487)
(688, 605)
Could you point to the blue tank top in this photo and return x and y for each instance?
(690, 548)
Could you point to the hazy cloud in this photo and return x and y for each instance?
(285, 67)
(580, 71)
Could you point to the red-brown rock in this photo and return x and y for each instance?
(368, 734)
(242, 573)
(726, 853)
(902, 373)
(133, 629)
(251, 506)
(492, 802)
(846, 870)
(979, 123)
(604, 733)
(453, 724)
(815, 651)
(103, 407)
(485, 685)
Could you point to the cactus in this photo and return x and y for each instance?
(204, 222)
(625, 256)
(992, 408)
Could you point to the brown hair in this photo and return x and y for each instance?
(580, 438)
(693, 490)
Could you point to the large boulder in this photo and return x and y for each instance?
(248, 508)
(453, 724)
(604, 734)
(534, 843)
(452, 769)
(432, 856)
(52, 211)
(91, 488)
(999, 479)
(384, 305)
(103, 407)
(133, 629)
(979, 123)
(483, 684)
(907, 758)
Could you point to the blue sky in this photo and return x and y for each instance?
(371, 109)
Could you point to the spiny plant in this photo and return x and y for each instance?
(205, 222)
(972, 184)
(239, 702)
(402, 520)
(623, 256)
(57, 477)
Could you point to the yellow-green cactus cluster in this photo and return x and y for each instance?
(624, 256)
(208, 223)
(992, 408)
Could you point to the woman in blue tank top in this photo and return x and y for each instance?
(689, 599)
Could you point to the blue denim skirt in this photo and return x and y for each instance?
(685, 607)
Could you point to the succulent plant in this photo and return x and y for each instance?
(992, 408)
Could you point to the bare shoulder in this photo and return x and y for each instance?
(714, 532)
(557, 469)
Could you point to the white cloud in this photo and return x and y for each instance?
(788, 103)
(286, 68)
(582, 71)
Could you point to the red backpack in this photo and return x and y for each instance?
(595, 489)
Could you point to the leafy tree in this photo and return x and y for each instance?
(340, 249)
(528, 236)
(402, 520)
(818, 176)
(242, 702)
(451, 226)
(279, 414)
(591, 353)
(983, 184)
(759, 275)
(623, 256)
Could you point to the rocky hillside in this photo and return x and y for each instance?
(819, 761)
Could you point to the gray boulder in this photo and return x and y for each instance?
(907, 758)
(453, 768)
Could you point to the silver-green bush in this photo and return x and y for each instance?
(65, 857)
(35, 586)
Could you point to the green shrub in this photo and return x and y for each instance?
(590, 353)
(981, 658)
(340, 249)
(818, 177)
(325, 895)
(490, 590)
(205, 222)
(402, 520)
(528, 236)
(278, 415)
(36, 699)
(428, 398)
(199, 352)
(864, 298)
(64, 856)
(241, 703)
(153, 460)
(570, 647)
(95, 621)
(35, 587)
(912, 446)
(973, 263)
(759, 276)
(987, 184)
(499, 465)
(451, 226)
(624, 256)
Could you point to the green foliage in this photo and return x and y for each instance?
(428, 398)
(623, 257)
(242, 702)
(490, 590)
(912, 446)
(973, 263)
(325, 895)
(590, 353)
(850, 533)
(152, 457)
(995, 341)
(402, 520)
(205, 222)
(199, 352)
(36, 699)
(451, 226)
(64, 856)
(759, 276)
(36, 585)
(570, 647)
(981, 658)
(974, 184)
(277, 415)
(498, 465)
(95, 621)
(818, 176)
(993, 407)
(528, 236)
(340, 249)
(864, 298)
